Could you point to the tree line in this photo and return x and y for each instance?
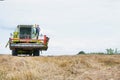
(109, 51)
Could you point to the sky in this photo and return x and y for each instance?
(72, 25)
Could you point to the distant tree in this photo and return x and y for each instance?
(112, 51)
(116, 51)
(81, 52)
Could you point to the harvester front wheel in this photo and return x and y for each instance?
(14, 53)
(36, 53)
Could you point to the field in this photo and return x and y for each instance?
(78, 67)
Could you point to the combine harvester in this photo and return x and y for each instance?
(26, 40)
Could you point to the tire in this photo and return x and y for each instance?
(14, 53)
(36, 53)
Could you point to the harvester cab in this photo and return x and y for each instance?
(26, 40)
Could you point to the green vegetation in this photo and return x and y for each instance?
(112, 51)
(81, 52)
(109, 51)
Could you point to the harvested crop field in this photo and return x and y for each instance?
(79, 67)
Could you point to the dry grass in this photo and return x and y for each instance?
(80, 67)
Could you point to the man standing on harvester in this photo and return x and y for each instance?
(37, 30)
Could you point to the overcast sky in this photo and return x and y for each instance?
(72, 25)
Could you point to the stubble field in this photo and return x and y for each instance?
(78, 67)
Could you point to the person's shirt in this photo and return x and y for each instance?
(38, 30)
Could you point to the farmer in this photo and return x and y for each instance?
(37, 30)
